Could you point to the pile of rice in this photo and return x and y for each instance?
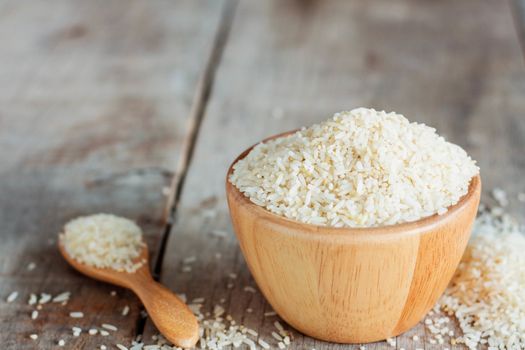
(104, 241)
(487, 292)
(358, 169)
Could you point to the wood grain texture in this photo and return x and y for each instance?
(93, 109)
(351, 285)
(292, 63)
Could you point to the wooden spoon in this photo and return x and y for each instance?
(171, 315)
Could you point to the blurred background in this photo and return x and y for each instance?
(138, 107)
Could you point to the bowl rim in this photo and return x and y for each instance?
(411, 227)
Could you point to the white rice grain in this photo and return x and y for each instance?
(62, 297)
(12, 297)
(264, 344)
(189, 260)
(76, 331)
(44, 298)
(219, 233)
(277, 336)
(109, 327)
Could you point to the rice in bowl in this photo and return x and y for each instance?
(361, 168)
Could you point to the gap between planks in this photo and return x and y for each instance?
(197, 111)
(198, 108)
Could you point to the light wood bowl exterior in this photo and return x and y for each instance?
(352, 285)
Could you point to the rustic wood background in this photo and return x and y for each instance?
(137, 108)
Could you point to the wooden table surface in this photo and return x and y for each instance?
(138, 107)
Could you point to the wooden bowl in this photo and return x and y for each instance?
(351, 285)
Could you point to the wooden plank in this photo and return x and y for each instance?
(293, 63)
(93, 111)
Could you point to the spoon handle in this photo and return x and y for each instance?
(171, 315)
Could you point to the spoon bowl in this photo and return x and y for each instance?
(171, 315)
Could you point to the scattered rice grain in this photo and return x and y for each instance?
(219, 233)
(62, 297)
(500, 196)
(189, 260)
(277, 336)
(76, 331)
(109, 327)
(264, 344)
(286, 340)
(12, 297)
(252, 332)
(44, 298)
(279, 326)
